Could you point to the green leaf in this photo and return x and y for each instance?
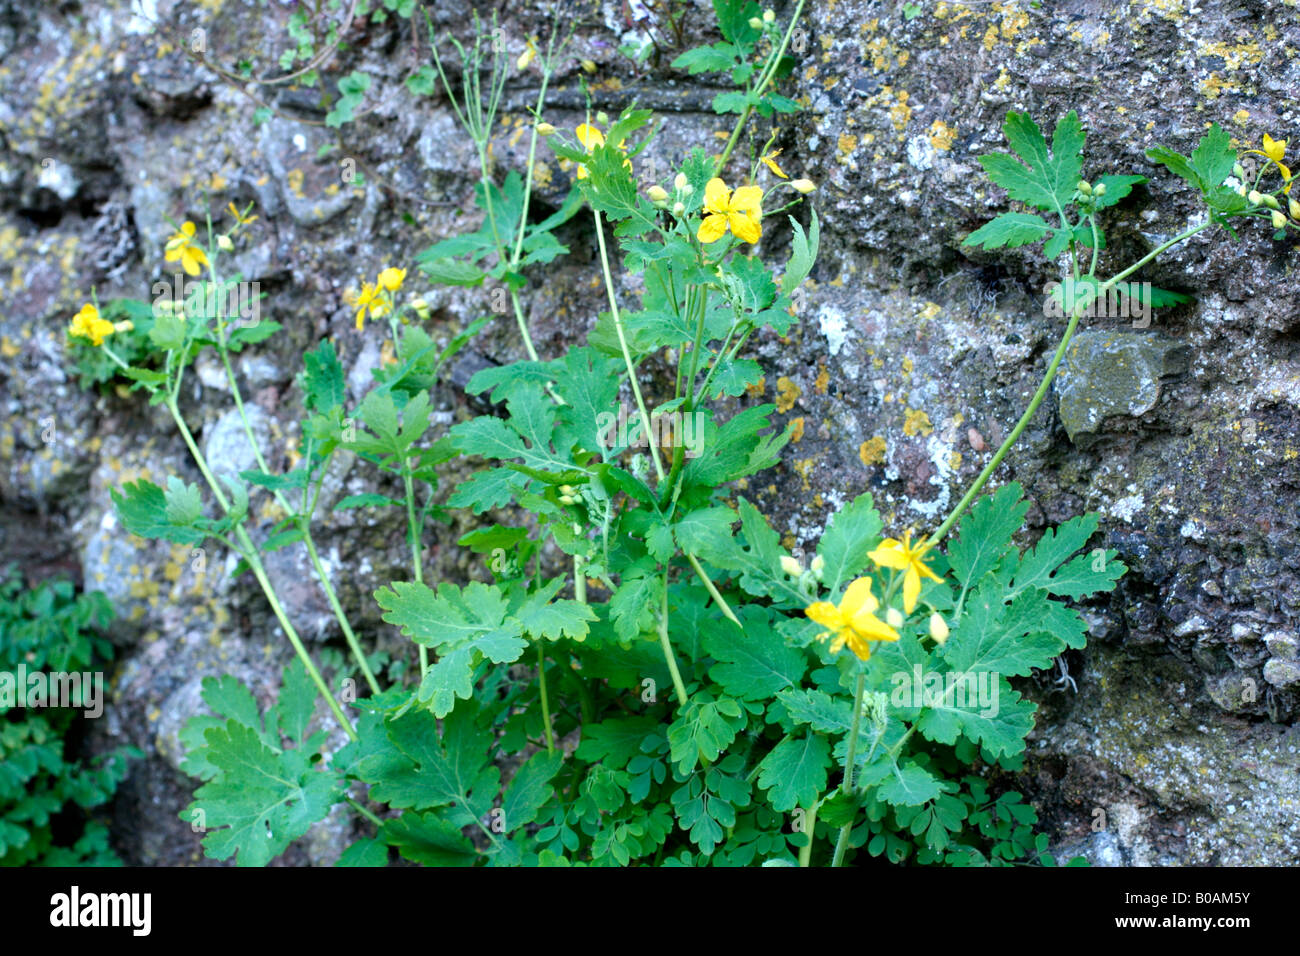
(322, 381)
(1012, 229)
(707, 59)
(366, 500)
(613, 742)
(733, 22)
(632, 605)
(703, 729)
(1214, 157)
(1045, 181)
(794, 773)
(985, 534)
(529, 789)
(754, 663)
(182, 504)
(446, 271)
(852, 533)
(755, 557)
(909, 786)
(143, 509)
(426, 839)
(1117, 187)
(1053, 549)
(352, 90)
(366, 853)
(825, 714)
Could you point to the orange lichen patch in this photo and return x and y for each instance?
(787, 393)
(942, 135)
(872, 451)
(916, 422)
(796, 430)
(823, 379)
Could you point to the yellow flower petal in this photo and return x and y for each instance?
(745, 227)
(911, 589)
(1274, 149)
(391, 279)
(749, 200)
(717, 197)
(589, 136)
(712, 228)
(858, 598)
(769, 160)
(890, 554)
(826, 614)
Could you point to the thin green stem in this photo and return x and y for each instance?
(668, 649)
(1043, 387)
(810, 828)
(417, 566)
(709, 586)
(546, 700)
(627, 354)
(365, 812)
(850, 758)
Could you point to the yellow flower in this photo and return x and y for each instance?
(240, 218)
(88, 324)
(901, 556)
(183, 247)
(1275, 149)
(590, 138)
(391, 279)
(369, 299)
(741, 210)
(527, 56)
(853, 621)
(769, 160)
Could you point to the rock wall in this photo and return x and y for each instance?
(912, 359)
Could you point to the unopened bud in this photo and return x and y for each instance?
(680, 182)
(756, 23)
(224, 243)
(1271, 202)
(421, 308)
(602, 118)
(1241, 190)
(546, 129)
(1255, 197)
(769, 15)
(1099, 190)
(818, 566)
(567, 499)
(568, 490)
(1239, 171)
(1084, 187)
(588, 66)
(804, 186)
(894, 617)
(1279, 220)
(790, 566)
(938, 628)
(1293, 207)
(679, 208)
(657, 194)
(126, 325)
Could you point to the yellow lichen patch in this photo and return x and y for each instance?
(796, 430)
(847, 144)
(788, 540)
(295, 178)
(908, 365)
(787, 392)
(942, 135)
(803, 468)
(872, 451)
(8, 348)
(931, 310)
(823, 379)
(900, 114)
(542, 176)
(954, 460)
(916, 422)
(1241, 117)
(1235, 55)
(756, 390)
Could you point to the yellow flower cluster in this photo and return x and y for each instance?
(89, 324)
(376, 298)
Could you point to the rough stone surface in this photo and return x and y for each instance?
(913, 357)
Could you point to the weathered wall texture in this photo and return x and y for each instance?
(912, 359)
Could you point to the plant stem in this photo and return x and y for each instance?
(709, 586)
(413, 535)
(250, 556)
(579, 580)
(810, 821)
(627, 354)
(1043, 387)
(668, 649)
(546, 700)
(364, 812)
(850, 758)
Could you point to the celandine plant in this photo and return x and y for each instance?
(679, 689)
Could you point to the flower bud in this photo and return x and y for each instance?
(126, 325)
(680, 182)
(687, 189)
(1293, 207)
(1241, 190)
(790, 566)
(818, 566)
(588, 66)
(938, 628)
(421, 308)
(224, 243)
(1099, 190)
(804, 186)
(577, 528)
(526, 57)
(894, 617)
(1279, 220)
(657, 194)
(1084, 187)
(679, 208)
(756, 23)
(769, 15)
(1239, 171)
(546, 129)
(1271, 202)
(567, 499)
(602, 118)
(1255, 197)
